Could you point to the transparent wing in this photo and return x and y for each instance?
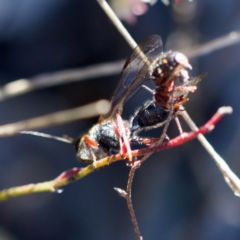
(192, 82)
(195, 80)
(134, 73)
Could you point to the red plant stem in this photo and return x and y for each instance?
(78, 173)
(185, 137)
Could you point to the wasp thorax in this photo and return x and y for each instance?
(101, 141)
(88, 148)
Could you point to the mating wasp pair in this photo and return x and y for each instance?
(169, 73)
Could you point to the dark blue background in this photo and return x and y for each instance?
(177, 194)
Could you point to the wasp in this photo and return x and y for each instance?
(169, 73)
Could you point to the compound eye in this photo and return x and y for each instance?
(182, 60)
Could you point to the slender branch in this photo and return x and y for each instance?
(89, 110)
(134, 167)
(230, 177)
(45, 135)
(78, 173)
(214, 45)
(118, 24)
(128, 193)
(22, 86)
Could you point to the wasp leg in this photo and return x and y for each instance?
(148, 89)
(178, 124)
(177, 105)
(146, 141)
(90, 145)
(185, 88)
(122, 131)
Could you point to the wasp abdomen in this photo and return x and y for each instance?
(151, 115)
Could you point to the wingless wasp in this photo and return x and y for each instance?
(168, 71)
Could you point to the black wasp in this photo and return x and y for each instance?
(168, 71)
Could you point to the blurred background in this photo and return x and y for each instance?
(178, 193)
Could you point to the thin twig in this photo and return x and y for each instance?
(214, 45)
(133, 169)
(45, 135)
(78, 173)
(22, 86)
(129, 199)
(230, 177)
(62, 117)
(118, 24)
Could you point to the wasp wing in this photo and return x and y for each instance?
(195, 80)
(135, 72)
(192, 82)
